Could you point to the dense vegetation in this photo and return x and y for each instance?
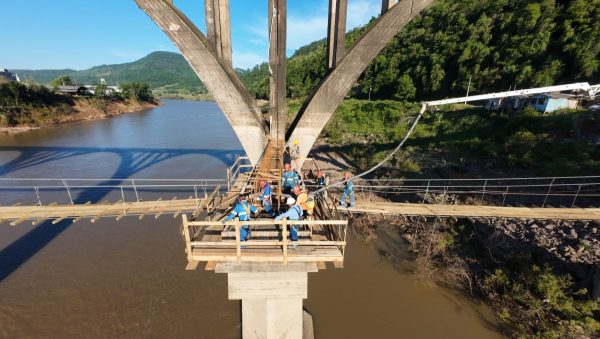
(468, 139)
(496, 43)
(36, 105)
(166, 73)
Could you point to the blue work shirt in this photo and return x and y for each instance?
(349, 187)
(294, 213)
(321, 181)
(290, 179)
(243, 211)
(266, 193)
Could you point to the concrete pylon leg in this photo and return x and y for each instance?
(272, 296)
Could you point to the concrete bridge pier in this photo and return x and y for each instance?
(272, 295)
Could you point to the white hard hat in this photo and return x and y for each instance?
(291, 201)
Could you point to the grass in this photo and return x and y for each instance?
(553, 145)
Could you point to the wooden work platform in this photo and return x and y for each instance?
(319, 241)
(254, 253)
(475, 211)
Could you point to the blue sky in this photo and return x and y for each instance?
(43, 34)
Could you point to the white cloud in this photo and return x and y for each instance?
(247, 60)
(360, 12)
(308, 27)
(303, 27)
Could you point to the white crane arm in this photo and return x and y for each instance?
(582, 86)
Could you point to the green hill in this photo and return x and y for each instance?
(165, 72)
(497, 43)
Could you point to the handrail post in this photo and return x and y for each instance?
(504, 196)
(238, 244)
(37, 194)
(576, 195)
(228, 179)
(426, 192)
(284, 235)
(64, 182)
(137, 197)
(548, 193)
(483, 194)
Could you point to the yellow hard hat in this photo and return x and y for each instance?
(296, 142)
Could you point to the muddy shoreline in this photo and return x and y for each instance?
(85, 110)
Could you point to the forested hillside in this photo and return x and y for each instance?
(497, 43)
(167, 72)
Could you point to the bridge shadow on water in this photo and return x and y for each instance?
(132, 161)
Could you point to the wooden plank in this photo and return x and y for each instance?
(17, 222)
(210, 266)
(57, 220)
(37, 222)
(321, 265)
(186, 234)
(192, 265)
(284, 235)
(238, 246)
(338, 264)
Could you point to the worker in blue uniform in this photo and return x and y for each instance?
(243, 209)
(293, 213)
(321, 183)
(265, 198)
(348, 191)
(289, 179)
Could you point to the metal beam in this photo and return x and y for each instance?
(277, 67)
(318, 109)
(218, 77)
(336, 33)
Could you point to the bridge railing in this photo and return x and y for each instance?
(239, 166)
(541, 191)
(70, 191)
(196, 238)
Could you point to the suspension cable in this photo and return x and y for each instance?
(410, 131)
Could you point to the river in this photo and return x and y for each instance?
(127, 278)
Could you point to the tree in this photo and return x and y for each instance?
(405, 90)
(63, 80)
(137, 91)
(100, 91)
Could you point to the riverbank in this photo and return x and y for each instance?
(84, 109)
(540, 277)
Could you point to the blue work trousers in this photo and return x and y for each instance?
(294, 233)
(244, 233)
(268, 207)
(344, 196)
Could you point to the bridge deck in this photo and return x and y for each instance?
(475, 211)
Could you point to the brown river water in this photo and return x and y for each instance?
(127, 278)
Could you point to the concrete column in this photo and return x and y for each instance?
(225, 18)
(218, 29)
(386, 5)
(272, 295)
(213, 29)
(277, 67)
(336, 33)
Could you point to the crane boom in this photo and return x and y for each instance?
(581, 86)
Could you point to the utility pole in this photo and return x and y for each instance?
(468, 88)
